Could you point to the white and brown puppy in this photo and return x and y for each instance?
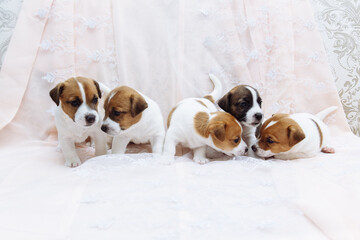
(196, 123)
(131, 116)
(77, 116)
(299, 135)
(244, 103)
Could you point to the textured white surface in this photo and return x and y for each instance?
(136, 197)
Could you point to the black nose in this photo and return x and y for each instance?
(90, 118)
(246, 150)
(254, 148)
(258, 116)
(104, 128)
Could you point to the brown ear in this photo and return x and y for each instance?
(217, 129)
(225, 101)
(295, 135)
(56, 92)
(137, 104)
(98, 88)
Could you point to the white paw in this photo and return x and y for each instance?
(201, 160)
(74, 163)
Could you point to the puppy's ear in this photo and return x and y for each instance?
(137, 105)
(217, 129)
(277, 116)
(295, 135)
(98, 88)
(225, 102)
(56, 92)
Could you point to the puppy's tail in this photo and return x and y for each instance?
(321, 115)
(217, 92)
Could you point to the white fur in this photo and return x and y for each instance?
(310, 145)
(71, 132)
(150, 128)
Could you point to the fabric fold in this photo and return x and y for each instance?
(19, 60)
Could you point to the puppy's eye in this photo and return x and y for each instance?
(236, 140)
(75, 103)
(95, 100)
(116, 113)
(243, 104)
(259, 101)
(269, 140)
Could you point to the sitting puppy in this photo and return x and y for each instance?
(244, 103)
(77, 116)
(131, 116)
(299, 135)
(196, 123)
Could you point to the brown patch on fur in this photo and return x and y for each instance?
(201, 120)
(128, 102)
(92, 90)
(199, 101)
(69, 91)
(285, 133)
(224, 129)
(320, 132)
(170, 116)
(275, 117)
(210, 98)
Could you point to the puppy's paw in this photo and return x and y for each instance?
(328, 150)
(74, 163)
(201, 160)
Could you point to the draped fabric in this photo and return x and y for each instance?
(165, 49)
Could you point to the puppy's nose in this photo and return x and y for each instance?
(90, 118)
(246, 149)
(104, 128)
(258, 116)
(254, 148)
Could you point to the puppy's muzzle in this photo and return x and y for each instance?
(258, 116)
(254, 148)
(104, 128)
(90, 119)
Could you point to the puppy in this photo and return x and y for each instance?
(131, 116)
(299, 135)
(196, 123)
(77, 116)
(244, 103)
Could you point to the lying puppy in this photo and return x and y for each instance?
(299, 135)
(131, 116)
(77, 116)
(196, 123)
(244, 103)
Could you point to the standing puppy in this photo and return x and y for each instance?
(244, 103)
(131, 116)
(299, 135)
(196, 123)
(77, 116)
